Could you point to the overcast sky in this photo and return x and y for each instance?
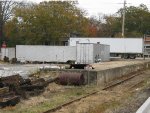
(94, 7)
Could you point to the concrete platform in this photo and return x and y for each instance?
(111, 71)
(115, 64)
(103, 73)
(107, 72)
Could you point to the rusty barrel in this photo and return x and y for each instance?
(71, 79)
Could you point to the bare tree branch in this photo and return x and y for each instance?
(6, 12)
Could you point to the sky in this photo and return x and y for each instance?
(95, 7)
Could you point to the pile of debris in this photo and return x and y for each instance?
(8, 98)
(14, 87)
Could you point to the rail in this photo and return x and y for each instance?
(90, 94)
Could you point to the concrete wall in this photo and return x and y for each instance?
(8, 52)
(106, 76)
(145, 108)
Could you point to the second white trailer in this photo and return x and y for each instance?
(118, 46)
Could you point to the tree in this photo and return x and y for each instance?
(6, 7)
(137, 20)
(93, 27)
(49, 21)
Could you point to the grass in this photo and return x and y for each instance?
(127, 96)
(103, 107)
(40, 104)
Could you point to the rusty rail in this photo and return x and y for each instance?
(70, 102)
(90, 94)
(122, 81)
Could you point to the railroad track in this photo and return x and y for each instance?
(122, 81)
(93, 93)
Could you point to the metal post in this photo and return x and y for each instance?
(1, 21)
(123, 19)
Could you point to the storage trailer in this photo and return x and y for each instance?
(80, 53)
(124, 47)
(8, 52)
(88, 53)
(42, 53)
(146, 51)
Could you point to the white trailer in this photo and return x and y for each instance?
(88, 53)
(45, 53)
(8, 52)
(82, 53)
(127, 47)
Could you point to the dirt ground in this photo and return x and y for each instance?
(124, 98)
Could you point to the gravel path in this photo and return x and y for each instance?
(113, 64)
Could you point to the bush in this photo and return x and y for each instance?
(70, 62)
(14, 60)
(6, 59)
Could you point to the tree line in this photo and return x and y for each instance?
(54, 22)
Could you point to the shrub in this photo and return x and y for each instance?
(6, 59)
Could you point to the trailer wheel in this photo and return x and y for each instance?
(126, 56)
(132, 56)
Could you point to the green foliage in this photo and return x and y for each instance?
(46, 22)
(137, 19)
(55, 21)
(136, 23)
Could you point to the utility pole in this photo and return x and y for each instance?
(123, 18)
(1, 21)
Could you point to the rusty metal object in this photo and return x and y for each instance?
(8, 94)
(38, 81)
(33, 87)
(122, 81)
(9, 101)
(26, 81)
(37, 84)
(51, 80)
(12, 80)
(4, 90)
(71, 79)
(8, 98)
(70, 102)
(12, 86)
